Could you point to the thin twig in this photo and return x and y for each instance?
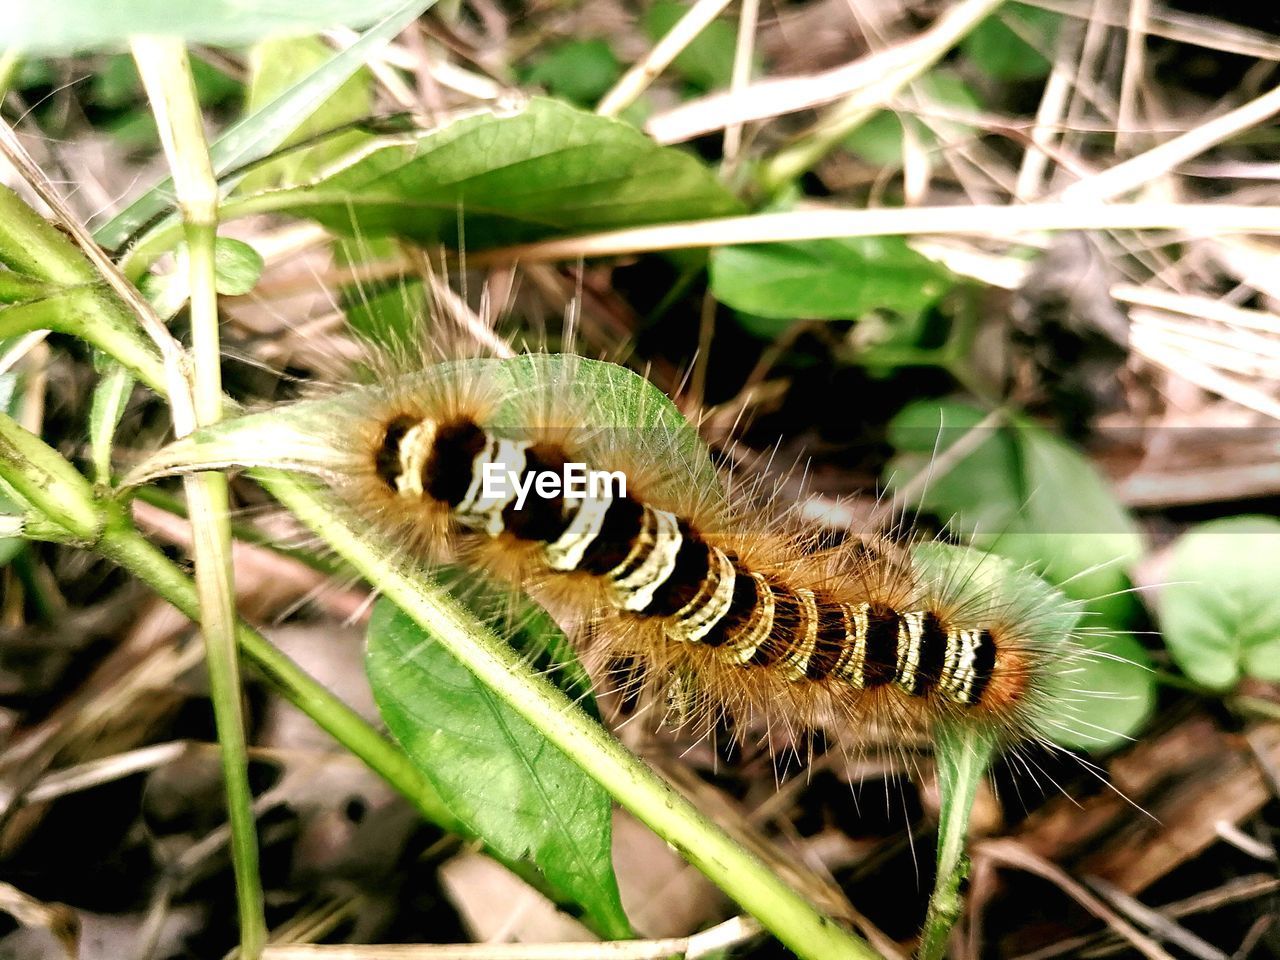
(636, 80)
(873, 78)
(1131, 77)
(1013, 854)
(981, 220)
(743, 56)
(719, 938)
(1053, 105)
(1156, 922)
(1145, 167)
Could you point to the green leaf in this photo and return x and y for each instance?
(1026, 495)
(1022, 492)
(827, 279)
(257, 135)
(1116, 694)
(624, 409)
(498, 775)
(581, 71)
(1220, 611)
(1013, 44)
(80, 25)
(237, 267)
(110, 396)
(707, 62)
(879, 139)
(275, 66)
(545, 169)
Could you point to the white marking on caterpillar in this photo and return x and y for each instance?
(637, 588)
(796, 663)
(695, 620)
(910, 633)
(951, 661)
(566, 552)
(415, 449)
(960, 688)
(851, 667)
(481, 508)
(744, 645)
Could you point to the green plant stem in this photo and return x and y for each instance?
(963, 759)
(30, 245)
(764, 895)
(16, 288)
(317, 560)
(91, 313)
(47, 482)
(54, 488)
(166, 74)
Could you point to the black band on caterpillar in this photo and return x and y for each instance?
(659, 567)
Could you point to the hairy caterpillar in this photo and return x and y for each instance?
(718, 609)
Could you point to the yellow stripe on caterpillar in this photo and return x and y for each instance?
(584, 526)
(743, 646)
(796, 663)
(851, 667)
(636, 589)
(695, 620)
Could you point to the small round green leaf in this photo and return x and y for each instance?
(1117, 694)
(1013, 44)
(1220, 610)
(238, 266)
(581, 70)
